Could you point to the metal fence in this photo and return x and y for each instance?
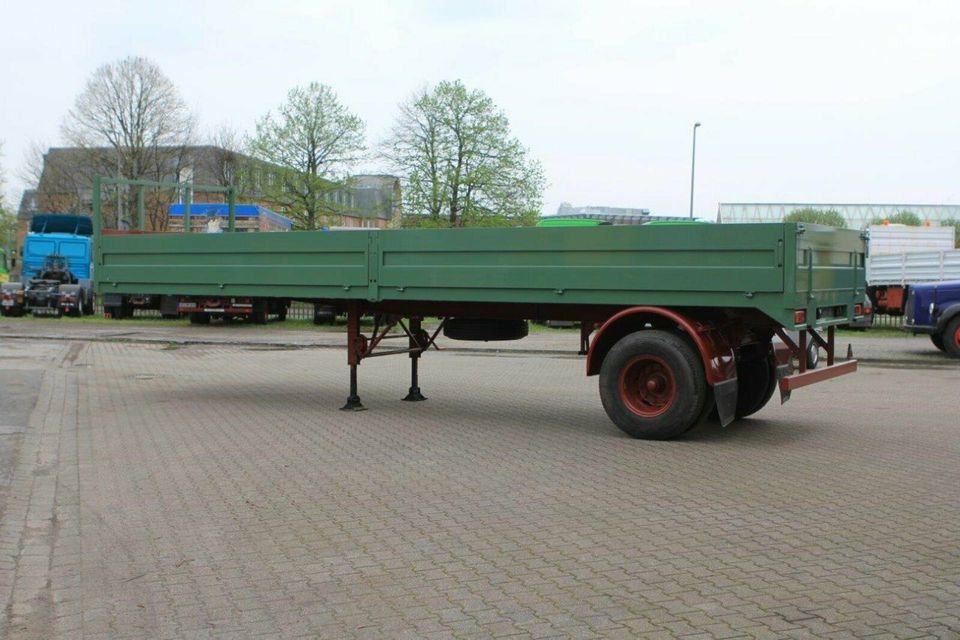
(883, 321)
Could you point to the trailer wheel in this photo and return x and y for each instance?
(951, 338)
(756, 382)
(198, 317)
(652, 385)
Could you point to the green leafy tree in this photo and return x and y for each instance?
(830, 217)
(903, 216)
(459, 163)
(312, 140)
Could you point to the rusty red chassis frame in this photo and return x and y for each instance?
(718, 338)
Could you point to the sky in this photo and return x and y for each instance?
(807, 101)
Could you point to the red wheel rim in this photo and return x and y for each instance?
(647, 386)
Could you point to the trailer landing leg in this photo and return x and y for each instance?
(418, 343)
(414, 395)
(353, 400)
(356, 348)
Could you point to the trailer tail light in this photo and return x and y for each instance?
(799, 316)
(858, 309)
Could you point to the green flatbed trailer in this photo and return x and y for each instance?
(677, 320)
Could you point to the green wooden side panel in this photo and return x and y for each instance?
(599, 265)
(306, 265)
(772, 267)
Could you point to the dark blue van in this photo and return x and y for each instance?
(934, 309)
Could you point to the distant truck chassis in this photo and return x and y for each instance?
(678, 322)
(57, 257)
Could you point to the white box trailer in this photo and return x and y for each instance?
(899, 256)
(907, 268)
(899, 238)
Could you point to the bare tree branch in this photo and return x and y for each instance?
(131, 107)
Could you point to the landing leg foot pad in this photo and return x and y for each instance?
(353, 404)
(414, 395)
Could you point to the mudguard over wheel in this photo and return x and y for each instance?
(652, 385)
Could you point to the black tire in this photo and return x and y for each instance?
(756, 382)
(259, 314)
(951, 338)
(199, 317)
(652, 385)
(937, 341)
(282, 313)
(813, 355)
(485, 329)
(323, 314)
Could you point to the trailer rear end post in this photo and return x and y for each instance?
(231, 209)
(187, 197)
(418, 344)
(141, 218)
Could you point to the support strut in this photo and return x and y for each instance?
(353, 400)
(416, 334)
(356, 348)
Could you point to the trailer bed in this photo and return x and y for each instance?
(774, 268)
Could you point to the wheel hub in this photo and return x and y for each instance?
(647, 386)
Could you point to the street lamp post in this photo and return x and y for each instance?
(693, 165)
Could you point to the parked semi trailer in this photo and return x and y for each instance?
(678, 321)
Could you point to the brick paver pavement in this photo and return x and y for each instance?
(216, 491)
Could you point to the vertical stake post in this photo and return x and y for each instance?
(141, 218)
(802, 356)
(187, 197)
(231, 209)
(830, 345)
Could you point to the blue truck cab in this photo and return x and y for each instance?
(934, 309)
(78, 251)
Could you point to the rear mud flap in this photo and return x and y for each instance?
(726, 397)
(783, 371)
